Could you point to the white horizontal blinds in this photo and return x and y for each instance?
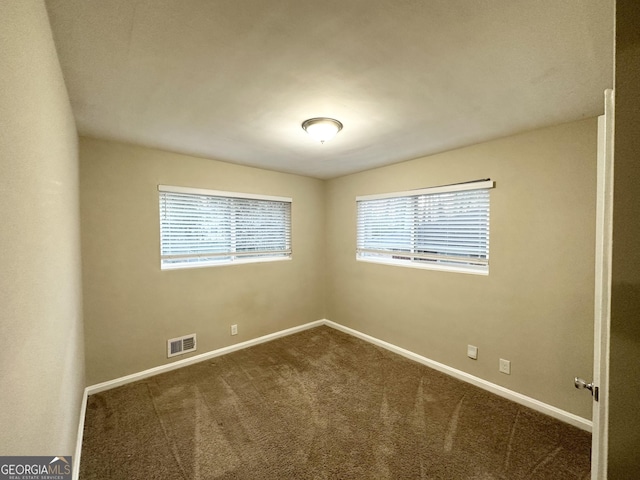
(262, 227)
(198, 228)
(386, 225)
(453, 227)
(445, 228)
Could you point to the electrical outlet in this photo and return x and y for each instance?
(472, 352)
(234, 329)
(505, 366)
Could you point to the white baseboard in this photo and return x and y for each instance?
(134, 377)
(516, 397)
(76, 457)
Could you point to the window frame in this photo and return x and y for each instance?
(459, 266)
(237, 258)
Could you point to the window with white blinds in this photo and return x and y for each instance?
(443, 228)
(208, 227)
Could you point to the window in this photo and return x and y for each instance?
(208, 227)
(443, 228)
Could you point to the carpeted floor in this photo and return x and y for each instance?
(320, 405)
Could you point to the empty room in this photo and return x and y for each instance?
(297, 239)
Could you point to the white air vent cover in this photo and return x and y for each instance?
(181, 345)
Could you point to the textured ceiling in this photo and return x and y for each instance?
(234, 79)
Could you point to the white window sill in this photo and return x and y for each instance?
(244, 261)
(425, 266)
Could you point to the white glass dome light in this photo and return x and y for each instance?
(322, 128)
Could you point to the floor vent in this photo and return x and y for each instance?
(181, 345)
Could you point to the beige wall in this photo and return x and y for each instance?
(41, 346)
(536, 306)
(132, 308)
(624, 419)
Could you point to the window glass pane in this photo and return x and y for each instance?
(448, 228)
(200, 229)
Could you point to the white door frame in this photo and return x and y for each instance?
(602, 311)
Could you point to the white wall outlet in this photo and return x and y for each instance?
(234, 329)
(472, 352)
(505, 366)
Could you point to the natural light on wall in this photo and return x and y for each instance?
(441, 228)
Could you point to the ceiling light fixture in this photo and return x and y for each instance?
(322, 128)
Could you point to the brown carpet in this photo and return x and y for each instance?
(320, 405)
